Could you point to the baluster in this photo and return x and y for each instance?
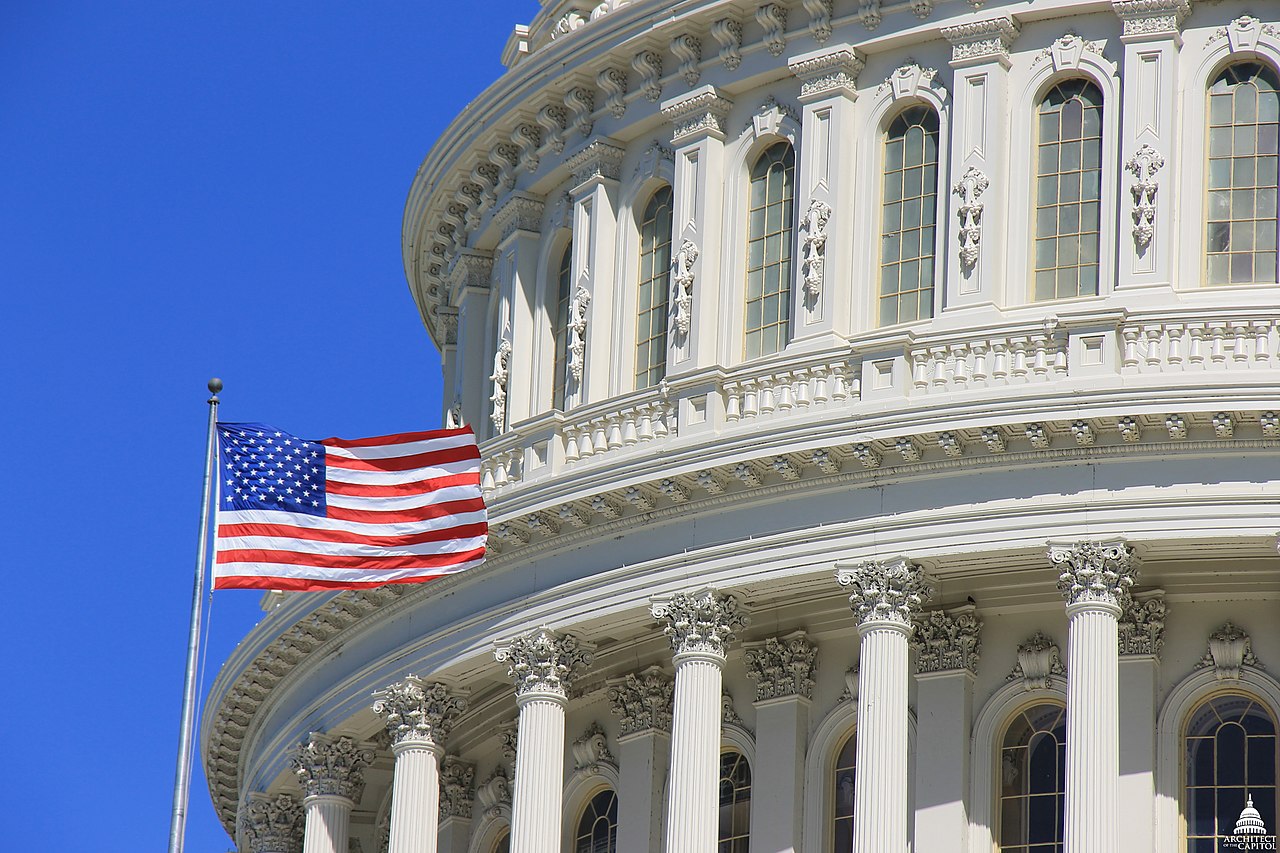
(1239, 347)
(1129, 357)
(1040, 357)
(919, 369)
(599, 442)
(1195, 353)
(1019, 370)
(500, 470)
(786, 399)
(615, 432)
(631, 423)
(1154, 334)
(732, 402)
(585, 446)
(750, 400)
(662, 419)
(1217, 343)
(767, 395)
(804, 379)
(486, 479)
(980, 351)
(938, 361)
(1000, 361)
(821, 385)
(1261, 340)
(1174, 356)
(1060, 357)
(960, 364)
(570, 445)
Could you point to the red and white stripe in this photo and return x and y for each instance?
(400, 509)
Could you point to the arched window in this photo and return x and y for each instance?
(655, 284)
(910, 203)
(503, 844)
(735, 803)
(560, 326)
(598, 827)
(769, 232)
(1068, 189)
(842, 790)
(1032, 781)
(1244, 117)
(1230, 758)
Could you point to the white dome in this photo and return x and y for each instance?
(1250, 822)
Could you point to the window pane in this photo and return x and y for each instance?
(735, 802)
(770, 233)
(655, 287)
(560, 327)
(909, 204)
(1031, 780)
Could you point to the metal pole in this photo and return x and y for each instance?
(182, 781)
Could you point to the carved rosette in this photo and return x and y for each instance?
(886, 590)
(1038, 661)
(272, 824)
(682, 287)
(543, 661)
(782, 666)
(332, 767)
(1143, 165)
(814, 247)
(701, 622)
(642, 701)
(1141, 628)
(972, 184)
(418, 711)
(1229, 649)
(1094, 572)
(456, 788)
(591, 751)
(948, 640)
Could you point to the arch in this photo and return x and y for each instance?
(1185, 698)
(988, 733)
(819, 764)
(583, 785)
(488, 832)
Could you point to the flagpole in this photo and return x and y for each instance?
(182, 781)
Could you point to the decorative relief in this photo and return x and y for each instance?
(578, 331)
(1223, 425)
(648, 67)
(729, 715)
(819, 19)
(505, 158)
(608, 6)
(332, 766)
(272, 824)
(1141, 628)
(1038, 662)
(642, 701)
(830, 72)
(568, 22)
(700, 622)
(1229, 649)
(542, 661)
(417, 710)
(987, 39)
(453, 418)
(772, 117)
(1243, 33)
(688, 50)
(501, 374)
(922, 8)
(782, 666)
(1151, 17)
(702, 112)
(596, 159)
(682, 287)
(591, 751)
(772, 18)
(886, 590)
(581, 103)
(1094, 571)
(970, 188)
(850, 691)
(456, 788)
(651, 160)
(869, 13)
(1067, 51)
(946, 640)
(1143, 165)
(613, 81)
(518, 213)
(494, 793)
(908, 81)
(553, 118)
(728, 34)
(509, 741)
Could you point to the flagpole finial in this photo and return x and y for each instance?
(215, 385)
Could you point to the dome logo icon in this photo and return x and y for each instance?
(1250, 832)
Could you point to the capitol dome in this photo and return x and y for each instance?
(879, 405)
(1250, 822)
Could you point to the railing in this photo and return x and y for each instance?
(783, 391)
(1158, 345)
(645, 420)
(951, 365)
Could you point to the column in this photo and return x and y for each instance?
(542, 664)
(331, 771)
(1141, 634)
(783, 670)
(828, 158)
(948, 645)
(642, 701)
(596, 169)
(885, 596)
(1148, 150)
(271, 824)
(519, 222)
(457, 792)
(1094, 578)
(472, 357)
(979, 159)
(698, 120)
(700, 625)
(418, 715)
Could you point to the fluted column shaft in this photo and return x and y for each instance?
(693, 804)
(880, 787)
(327, 825)
(536, 804)
(1093, 743)
(415, 797)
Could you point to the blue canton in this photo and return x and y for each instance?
(261, 467)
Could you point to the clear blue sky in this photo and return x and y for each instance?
(186, 190)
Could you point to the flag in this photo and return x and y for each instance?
(295, 514)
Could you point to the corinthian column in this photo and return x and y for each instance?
(885, 597)
(642, 701)
(1095, 578)
(271, 824)
(541, 663)
(700, 625)
(418, 715)
(331, 771)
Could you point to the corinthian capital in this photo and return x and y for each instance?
(456, 788)
(782, 666)
(418, 711)
(699, 622)
(542, 661)
(891, 590)
(1094, 572)
(272, 824)
(642, 701)
(332, 766)
(948, 640)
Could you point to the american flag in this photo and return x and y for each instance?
(296, 514)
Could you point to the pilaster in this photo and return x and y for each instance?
(457, 791)
(515, 263)
(271, 824)
(642, 701)
(331, 772)
(1141, 634)
(469, 294)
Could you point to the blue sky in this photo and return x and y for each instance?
(186, 190)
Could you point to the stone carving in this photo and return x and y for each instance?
(994, 440)
(1223, 425)
(527, 138)
(518, 213)
(828, 72)
(596, 159)
(728, 34)
(505, 158)
(1038, 436)
(970, 188)
(907, 81)
(770, 118)
(1270, 424)
(1229, 649)
(272, 824)
(501, 374)
(1141, 628)
(542, 661)
(591, 751)
(1038, 662)
(648, 166)
(613, 81)
(508, 741)
(642, 701)
(819, 19)
(682, 287)
(701, 622)
(1083, 433)
(729, 715)
(332, 766)
(1146, 17)
(494, 793)
(553, 118)
(1130, 430)
(867, 456)
(869, 13)
(1243, 33)
(578, 331)
(990, 38)
(772, 18)
(581, 102)
(1143, 165)
(453, 417)
(951, 444)
(688, 50)
(946, 640)
(782, 666)
(891, 590)
(417, 710)
(922, 8)
(1094, 571)
(1067, 51)
(814, 247)
(568, 22)
(456, 789)
(702, 112)
(608, 6)
(648, 66)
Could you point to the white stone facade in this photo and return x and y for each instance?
(950, 519)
